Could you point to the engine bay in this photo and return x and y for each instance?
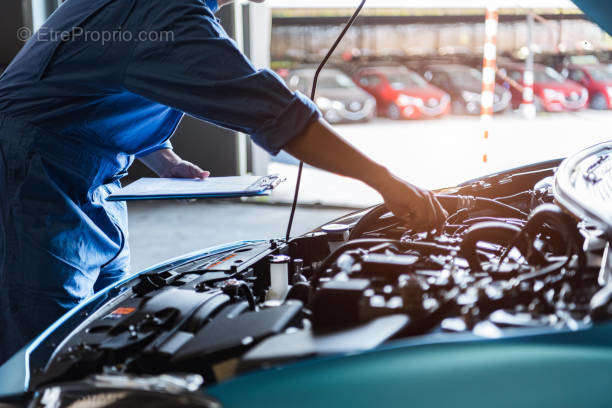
(509, 259)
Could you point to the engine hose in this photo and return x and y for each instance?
(246, 291)
(551, 217)
(557, 220)
(364, 223)
(490, 231)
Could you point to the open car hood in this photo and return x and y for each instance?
(367, 299)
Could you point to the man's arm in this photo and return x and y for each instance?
(322, 147)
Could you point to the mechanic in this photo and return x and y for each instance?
(76, 108)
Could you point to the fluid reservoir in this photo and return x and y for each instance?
(279, 277)
(337, 234)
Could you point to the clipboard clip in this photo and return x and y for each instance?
(268, 182)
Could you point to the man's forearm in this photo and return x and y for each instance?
(322, 147)
(160, 160)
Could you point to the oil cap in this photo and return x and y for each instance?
(337, 234)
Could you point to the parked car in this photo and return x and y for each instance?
(597, 79)
(552, 91)
(365, 311)
(339, 99)
(464, 85)
(402, 93)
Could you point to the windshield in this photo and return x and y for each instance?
(469, 77)
(335, 80)
(403, 78)
(547, 75)
(601, 74)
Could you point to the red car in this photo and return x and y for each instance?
(403, 94)
(552, 91)
(598, 80)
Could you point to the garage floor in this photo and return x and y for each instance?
(160, 230)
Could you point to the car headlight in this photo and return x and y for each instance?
(405, 100)
(584, 92)
(323, 102)
(609, 90)
(553, 94)
(337, 105)
(470, 96)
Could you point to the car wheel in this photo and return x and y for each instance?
(598, 101)
(393, 112)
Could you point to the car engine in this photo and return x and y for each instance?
(510, 259)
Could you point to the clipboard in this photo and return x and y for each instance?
(212, 187)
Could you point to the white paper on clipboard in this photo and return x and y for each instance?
(212, 187)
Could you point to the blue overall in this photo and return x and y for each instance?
(76, 108)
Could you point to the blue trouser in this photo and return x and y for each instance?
(60, 240)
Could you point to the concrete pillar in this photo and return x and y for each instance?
(41, 10)
(528, 106)
(489, 64)
(257, 34)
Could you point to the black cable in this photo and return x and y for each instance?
(452, 203)
(312, 96)
(246, 291)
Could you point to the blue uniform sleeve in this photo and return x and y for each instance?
(199, 70)
(165, 145)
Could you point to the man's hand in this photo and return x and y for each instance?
(185, 169)
(168, 164)
(411, 203)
